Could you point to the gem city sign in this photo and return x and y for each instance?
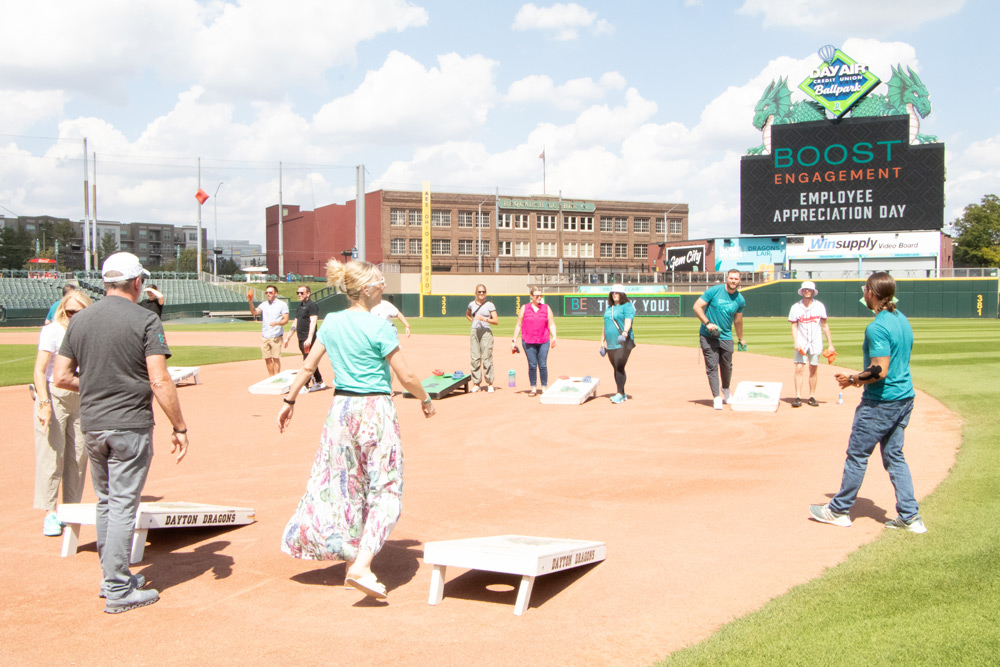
(839, 83)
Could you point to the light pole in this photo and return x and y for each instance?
(479, 230)
(215, 243)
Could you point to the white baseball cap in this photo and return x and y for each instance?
(617, 287)
(122, 266)
(809, 285)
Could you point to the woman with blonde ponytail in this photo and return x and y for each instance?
(353, 496)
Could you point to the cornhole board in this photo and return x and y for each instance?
(181, 373)
(439, 386)
(152, 515)
(511, 554)
(572, 391)
(756, 397)
(274, 385)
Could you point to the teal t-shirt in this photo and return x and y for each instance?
(889, 335)
(722, 307)
(619, 314)
(357, 343)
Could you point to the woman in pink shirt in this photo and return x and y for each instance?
(537, 327)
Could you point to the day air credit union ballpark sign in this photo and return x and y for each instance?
(851, 175)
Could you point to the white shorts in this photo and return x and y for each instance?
(811, 359)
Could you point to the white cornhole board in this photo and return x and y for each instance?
(572, 391)
(512, 554)
(276, 384)
(756, 397)
(152, 515)
(181, 373)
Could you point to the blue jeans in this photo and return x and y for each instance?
(119, 463)
(538, 357)
(878, 422)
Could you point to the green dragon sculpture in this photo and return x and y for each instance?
(907, 96)
(775, 107)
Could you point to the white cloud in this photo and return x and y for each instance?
(565, 20)
(570, 95)
(23, 108)
(849, 15)
(973, 173)
(405, 101)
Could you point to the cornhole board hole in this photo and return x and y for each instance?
(183, 373)
(572, 391)
(439, 386)
(276, 384)
(152, 515)
(756, 397)
(511, 554)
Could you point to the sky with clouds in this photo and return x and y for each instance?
(649, 101)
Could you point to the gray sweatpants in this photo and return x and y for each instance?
(718, 359)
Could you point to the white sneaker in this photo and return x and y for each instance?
(727, 397)
(475, 388)
(490, 389)
(318, 386)
(717, 402)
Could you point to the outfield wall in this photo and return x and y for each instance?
(946, 297)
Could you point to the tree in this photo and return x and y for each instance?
(188, 261)
(16, 247)
(228, 267)
(109, 246)
(979, 234)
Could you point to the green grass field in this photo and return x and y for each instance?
(904, 599)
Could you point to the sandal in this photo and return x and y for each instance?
(368, 585)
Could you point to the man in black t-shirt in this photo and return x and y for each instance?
(153, 300)
(306, 319)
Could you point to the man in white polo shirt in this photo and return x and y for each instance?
(808, 318)
(273, 318)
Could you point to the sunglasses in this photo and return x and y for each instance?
(480, 291)
(376, 283)
(71, 313)
(534, 295)
(302, 293)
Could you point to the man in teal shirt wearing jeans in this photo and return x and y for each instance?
(720, 310)
(884, 412)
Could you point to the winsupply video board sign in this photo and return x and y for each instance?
(841, 246)
(854, 175)
(644, 305)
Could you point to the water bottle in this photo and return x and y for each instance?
(511, 378)
(840, 398)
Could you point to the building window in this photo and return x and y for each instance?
(440, 246)
(640, 225)
(397, 217)
(640, 251)
(416, 217)
(546, 250)
(569, 249)
(142, 246)
(587, 250)
(586, 223)
(397, 246)
(465, 247)
(142, 233)
(659, 227)
(193, 236)
(545, 222)
(522, 249)
(621, 250)
(569, 223)
(506, 249)
(606, 224)
(440, 218)
(415, 246)
(465, 218)
(484, 220)
(520, 221)
(505, 221)
(607, 249)
(484, 248)
(676, 226)
(621, 225)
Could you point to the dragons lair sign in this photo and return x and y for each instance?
(872, 171)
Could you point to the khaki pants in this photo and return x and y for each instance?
(481, 344)
(60, 452)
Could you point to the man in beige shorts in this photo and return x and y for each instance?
(273, 318)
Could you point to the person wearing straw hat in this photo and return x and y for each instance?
(808, 318)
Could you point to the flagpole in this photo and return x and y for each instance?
(543, 169)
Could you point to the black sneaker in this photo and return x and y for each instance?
(797, 403)
(813, 402)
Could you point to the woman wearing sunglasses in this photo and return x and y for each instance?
(353, 496)
(60, 453)
(482, 314)
(537, 327)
